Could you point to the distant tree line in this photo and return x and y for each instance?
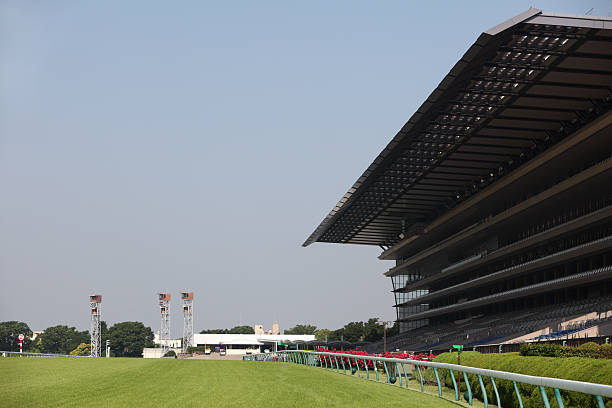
(233, 330)
(371, 331)
(127, 339)
(301, 329)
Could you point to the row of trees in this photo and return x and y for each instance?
(372, 330)
(127, 339)
(302, 329)
(233, 330)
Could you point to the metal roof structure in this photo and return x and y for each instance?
(520, 88)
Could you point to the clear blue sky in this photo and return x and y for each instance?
(149, 146)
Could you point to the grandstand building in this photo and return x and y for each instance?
(495, 198)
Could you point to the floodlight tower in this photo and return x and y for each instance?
(187, 320)
(164, 333)
(95, 302)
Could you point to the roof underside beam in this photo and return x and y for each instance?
(512, 95)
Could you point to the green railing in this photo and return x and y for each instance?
(395, 369)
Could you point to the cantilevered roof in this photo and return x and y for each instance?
(521, 87)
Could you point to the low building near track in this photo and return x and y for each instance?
(234, 344)
(240, 344)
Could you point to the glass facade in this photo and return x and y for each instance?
(400, 281)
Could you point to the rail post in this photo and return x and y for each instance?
(558, 398)
(544, 397)
(469, 388)
(376, 370)
(420, 376)
(497, 393)
(399, 373)
(484, 391)
(405, 373)
(438, 380)
(386, 371)
(518, 394)
(600, 403)
(452, 375)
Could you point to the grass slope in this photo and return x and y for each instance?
(78, 382)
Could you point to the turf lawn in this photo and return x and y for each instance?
(80, 382)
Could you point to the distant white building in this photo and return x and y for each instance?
(157, 352)
(171, 343)
(259, 329)
(233, 344)
(239, 344)
(35, 334)
(150, 352)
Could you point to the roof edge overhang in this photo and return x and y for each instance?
(334, 227)
(457, 69)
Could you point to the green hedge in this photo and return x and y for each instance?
(589, 350)
(571, 368)
(196, 349)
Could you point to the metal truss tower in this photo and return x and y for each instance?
(164, 333)
(187, 298)
(95, 302)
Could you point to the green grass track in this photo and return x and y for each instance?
(119, 382)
